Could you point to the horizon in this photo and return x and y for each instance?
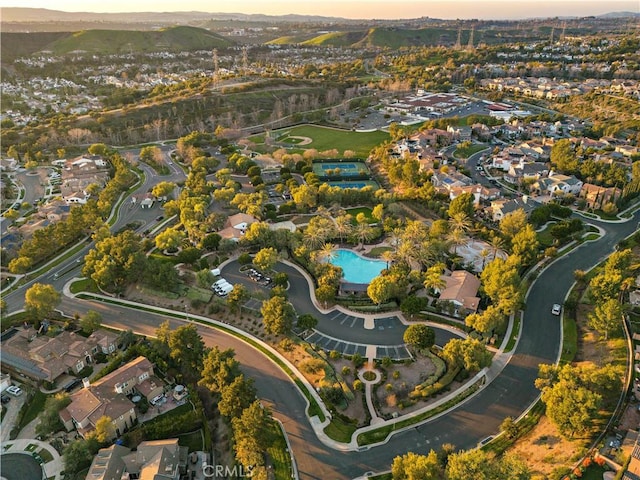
(353, 9)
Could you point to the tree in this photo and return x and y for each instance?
(501, 282)
(40, 301)
(98, 149)
(487, 321)
(78, 455)
(433, 279)
(419, 337)
(50, 417)
(163, 189)
(412, 305)
(236, 396)
(570, 406)
(266, 259)
(187, 350)
(252, 436)
(525, 245)
(606, 317)
(237, 297)
(512, 223)
(480, 465)
(412, 466)
(219, 368)
(470, 354)
(204, 278)
(169, 239)
(509, 427)
(563, 156)
(306, 321)
(277, 315)
(382, 288)
(463, 203)
(116, 261)
(105, 430)
(90, 322)
(11, 214)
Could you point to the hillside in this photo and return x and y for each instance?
(112, 41)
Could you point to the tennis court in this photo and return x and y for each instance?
(358, 185)
(340, 169)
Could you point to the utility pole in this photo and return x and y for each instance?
(470, 44)
(245, 61)
(458, 45)
(215, 67)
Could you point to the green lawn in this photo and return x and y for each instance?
(34, 407)
(467, 152)
(196, 293)
(279, 454)
(324, 138)
(339, 430)
(45, 455)
(192, 440)
(366, 210)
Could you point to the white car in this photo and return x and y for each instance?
(556, 309)
(13, 390)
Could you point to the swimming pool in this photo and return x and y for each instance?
(357, 269)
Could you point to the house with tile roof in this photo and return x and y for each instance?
(152, 460)
(109, 396)
(236, 225)
(41, 357)
(462, 291)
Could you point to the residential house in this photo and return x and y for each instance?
(460, 133)
(152, 460)
(633, 469)
(78, 174)
(500, 208)
(462, 291)
(109, 396)
(157, 460)
(108, 464)
(557, 184)
(480, 192)
(236, 226)
(525, 171)
(596, 195)
(46, 358)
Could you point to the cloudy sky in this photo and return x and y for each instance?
(365, 9)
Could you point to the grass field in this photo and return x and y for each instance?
(467, 152)
(329, 138)
(355, 184)
(365, 210)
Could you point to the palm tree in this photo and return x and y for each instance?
(363, 232)
(457, 238)
(484, 254)
(496, 244)
(433, 279)
(328, 252)
(344, 226)
(388, 256)
(460, 221)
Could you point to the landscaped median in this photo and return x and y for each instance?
(368, 437)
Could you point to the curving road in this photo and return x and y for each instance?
(508, 395)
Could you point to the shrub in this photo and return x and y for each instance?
(312, 365)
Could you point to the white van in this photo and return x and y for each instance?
(225, 290)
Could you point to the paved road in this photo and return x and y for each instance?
(509, 394)
(387, 331)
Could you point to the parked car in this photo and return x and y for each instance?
(5, 399)
(13, 390)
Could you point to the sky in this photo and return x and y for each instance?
(355, 9)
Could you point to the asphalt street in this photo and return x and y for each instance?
(508, 395)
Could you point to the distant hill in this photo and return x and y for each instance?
(620, 15)
(19, 14)
(112, 41)
(390, 37)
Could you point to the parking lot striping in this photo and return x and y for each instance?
(353, 322)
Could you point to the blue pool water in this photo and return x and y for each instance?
(356, 268)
